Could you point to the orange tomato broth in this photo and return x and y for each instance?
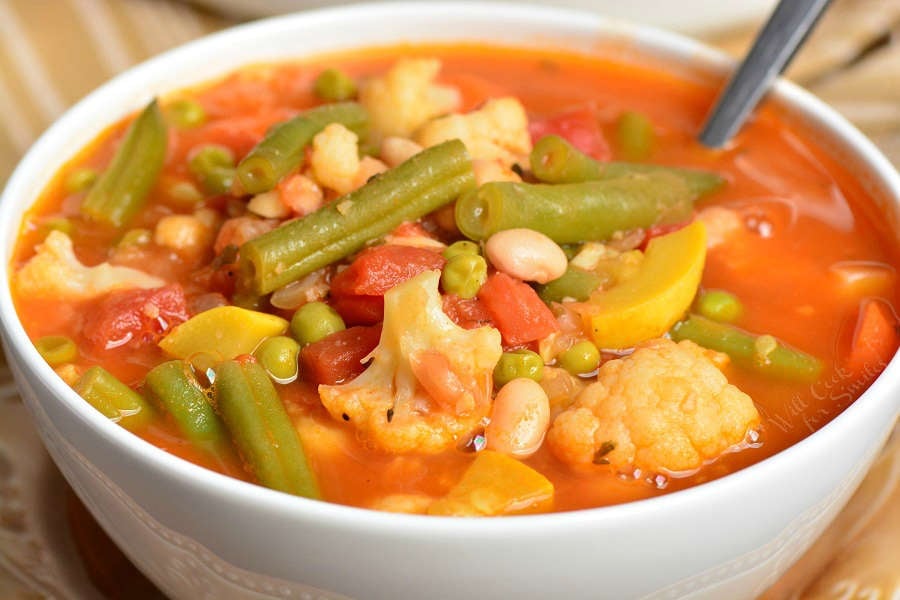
(818, 211)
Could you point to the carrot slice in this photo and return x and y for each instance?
(875, 338)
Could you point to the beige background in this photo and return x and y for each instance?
(52, 52)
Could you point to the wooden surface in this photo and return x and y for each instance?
(52, 52)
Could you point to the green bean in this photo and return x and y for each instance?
(213, 166)
(518, 363)
(186, 113)
(334, 85)
(554, 160)
(81, 180)
(122, 189)
(261, 428)
(282, 150)
(172, 388)
(278, 355)
(758, 353)
(575, 212)
(635, 136)
(115, 400)
(575, 283)
(583, 357)
(425, 182)
(464, 274)
(56, 349)
(314, 321)
(461, 247)
(719, 305)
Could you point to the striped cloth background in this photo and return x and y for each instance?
(53, 52)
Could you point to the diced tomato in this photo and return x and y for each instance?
(338, 357)
(516, 310)
(579, 126)
(135, 318)
(875, 339)
(359, 310)
(467, 313)
(378, 269)
(357, 292)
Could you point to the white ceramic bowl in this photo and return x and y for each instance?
(198, 534)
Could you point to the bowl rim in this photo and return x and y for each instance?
(31, 176)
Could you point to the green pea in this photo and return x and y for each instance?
(314, 321)
(464, 274)
(57, 349)
(720, 306)
(518, 363)
(213, 166)
(184, 194)
(135, 237)
(278, 355)
(80, 180)
(461, 247)
(581, 358)
(334, 85)
(186, 114)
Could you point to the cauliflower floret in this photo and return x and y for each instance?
(496, 131)
(335, 158)
(406, 97)
(664, 409)
(55, 272)
(430, 381)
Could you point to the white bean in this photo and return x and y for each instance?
(526, 254)
(520, 418)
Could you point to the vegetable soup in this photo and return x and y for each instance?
(458, 280)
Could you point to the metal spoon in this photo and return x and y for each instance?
(785, 31)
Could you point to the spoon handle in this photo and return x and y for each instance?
(773, 49)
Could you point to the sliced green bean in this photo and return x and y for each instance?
(518, 363)
(213, 166)
(56, 349)
(315, 321)
(575, 283)
(172, 388)
(334, 85)
(281, 151)
(555, 160)
(575, 212)
(122, 189)
(763, 354)
(261, 428)
(635, 135)
(115, 400)
(425, 182)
